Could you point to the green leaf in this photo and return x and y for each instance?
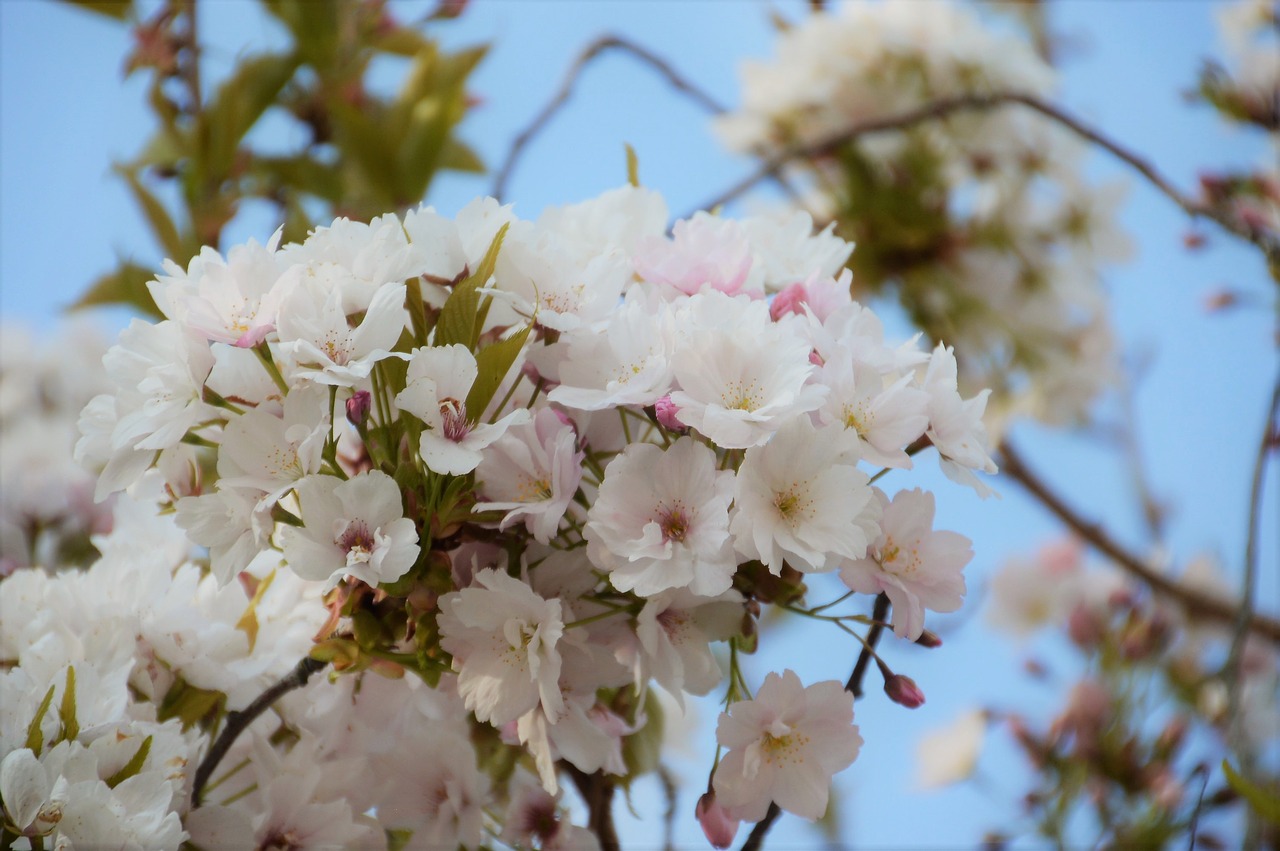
(120, 10)
(67, 709)
(458, 156)
(248, 622)
(125, 286)
(399, 41)
(238, 104)
(458, 318)
(299, 172)
(493, 363)
(35, 736)
(633, 167)
(189, 704)
(398, 838)
(162, 226)
(315, 25)
(642, 751)
(369, 146)
(133, 766)
(417, 310)
(1264, 802)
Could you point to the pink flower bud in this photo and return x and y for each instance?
(929, 639)
(790, 300)
(358, 407)
(716, 824)
(667, 414)
(904, 691)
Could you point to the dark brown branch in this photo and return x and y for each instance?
(594, 49)
(878, 613)
(597, 793)
(238, 722)
(942, 108)
(755, 840)
(1193, 602)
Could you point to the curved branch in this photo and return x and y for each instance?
(590, 52)
(939, 109)
(238, 722)
(1245, 615)
(1193, 602)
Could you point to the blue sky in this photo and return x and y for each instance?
(65, 116)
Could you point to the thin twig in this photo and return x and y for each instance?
(1233, 670)
(596, 48)
(1193, 602)
(880, 611)
(939, 109)
(238, 722)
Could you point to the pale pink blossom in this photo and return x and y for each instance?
(532, 473)
(798, 499)
(915, 566)
(661, 521)
(354, 528)
(703, 253)
(503, 639)
(784, 747)
(437, 383)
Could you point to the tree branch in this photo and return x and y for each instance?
(597, 793)
(238, 722)
(940, 109)
(594, 49)
(1193, 602)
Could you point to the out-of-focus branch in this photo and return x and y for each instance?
(1193, 602)
(1245, 616)
(597, 793)
(601, 45)
(238, 722)
(755, 840)
(940, 109)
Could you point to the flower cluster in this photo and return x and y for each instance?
(110, 676)
(979, 219)
(1146, 706)
(47, 511)
(543, 466)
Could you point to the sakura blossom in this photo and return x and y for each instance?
(799, 499)
(917, 567)
(784, 746)
(661, 521)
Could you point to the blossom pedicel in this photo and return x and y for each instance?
(540, 466)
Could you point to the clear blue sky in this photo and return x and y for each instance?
(65, 116)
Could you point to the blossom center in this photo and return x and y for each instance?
(793, 504)
(741, 396)
(453, 419)
(675, 523)
(356, 541)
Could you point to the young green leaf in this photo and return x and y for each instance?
(67, 709)
(35, 736)
(133, 766)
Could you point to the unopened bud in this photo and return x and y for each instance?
(358, 407)
(904, 691)
(929, 639)
(1085, 626)
(667, 413)
(717, 826)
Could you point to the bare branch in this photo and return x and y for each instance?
(238, 722)
(601, 45)
(597, 793)
(1193, 602)
(940, 109)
